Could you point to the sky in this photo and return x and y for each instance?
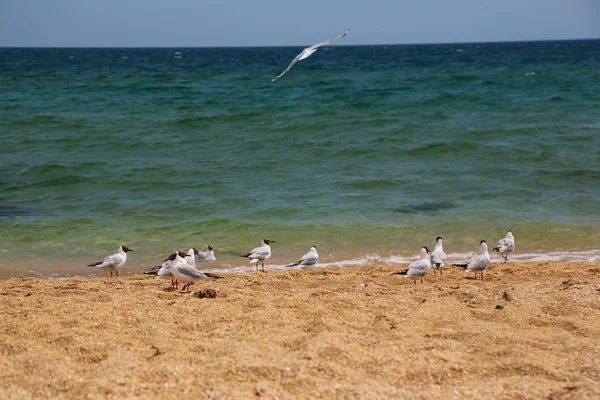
(210, 23)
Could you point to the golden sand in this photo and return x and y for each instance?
(528, 331)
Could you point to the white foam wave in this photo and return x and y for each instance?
(375, 259)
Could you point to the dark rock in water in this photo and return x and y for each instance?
(424, 208)
(14, 211)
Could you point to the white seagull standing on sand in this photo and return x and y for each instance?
(208, 255)
(111, 263)
(164, 271)
(420, 268)
(188, 273)
(307, 52)
(479, 262)
(307, 260)
(506, 245)
(438, 257)
(260, 253)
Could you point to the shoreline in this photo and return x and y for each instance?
(74, 269)
(527, 330)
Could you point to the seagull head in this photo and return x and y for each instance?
(196, 251)
(268, 241)
(437, 239)
(125, 248)
(424, 252)
(181, 254)
(509, 234)
(482, 247)
(210, 248)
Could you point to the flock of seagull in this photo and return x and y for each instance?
(181, 266)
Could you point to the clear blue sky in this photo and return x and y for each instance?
(123, 23)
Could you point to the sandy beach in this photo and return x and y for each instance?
(530, 330)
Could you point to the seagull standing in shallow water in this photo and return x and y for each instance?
(307, 52)
(506, 245)
(307, 260)
(420, 268)
(208, 255)
(111, 263)
(479, 262)
(260, 253)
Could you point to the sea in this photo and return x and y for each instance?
(367, 152)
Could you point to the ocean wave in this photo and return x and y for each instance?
(590, 256)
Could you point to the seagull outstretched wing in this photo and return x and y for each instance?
(307, 52)
(316, 45)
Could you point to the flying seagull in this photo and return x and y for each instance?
(307, 52)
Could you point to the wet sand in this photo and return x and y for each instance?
(530, 330)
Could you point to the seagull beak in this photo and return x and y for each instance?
(272, 241)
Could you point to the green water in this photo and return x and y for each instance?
(359, 150)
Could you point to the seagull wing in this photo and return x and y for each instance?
(294, 61)
(259, 252)
(438, 258)
(190, 272)
(316, 45)
(309, 259)
(505, 244)
(165, 269)
(113, 261)
(419, 268)
(479, 262)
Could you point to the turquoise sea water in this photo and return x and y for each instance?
(361, 150)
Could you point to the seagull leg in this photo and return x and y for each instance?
(263, 266)
(421, 281)
(111, 274)
(117, 272)
(441, 272)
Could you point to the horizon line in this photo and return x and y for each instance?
(275, 46)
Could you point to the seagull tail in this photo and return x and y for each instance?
(461, 265)
(152, 271)
(244, 255)
(292, 265)
(496, 249)
(214, 276)
(94, 264)
(405, 272)
(437, 265)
